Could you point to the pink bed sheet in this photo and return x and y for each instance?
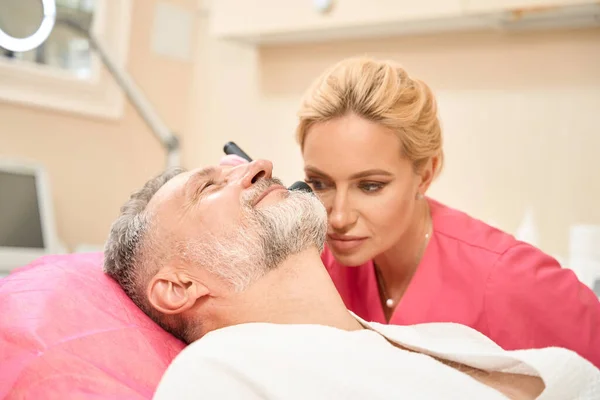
(67, 331)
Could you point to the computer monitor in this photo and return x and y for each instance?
(27, 229)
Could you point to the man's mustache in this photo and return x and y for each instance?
(258, 188)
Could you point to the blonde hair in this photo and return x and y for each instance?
(382, 92)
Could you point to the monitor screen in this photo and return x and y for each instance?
(20, 221)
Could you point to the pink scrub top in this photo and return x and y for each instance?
(479, 276)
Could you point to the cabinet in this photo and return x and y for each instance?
(475, 6)
(287, 21)
(261, 20)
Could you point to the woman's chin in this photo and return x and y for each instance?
(351, 259)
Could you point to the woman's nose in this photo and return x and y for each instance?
(253, 171)
(341, 217)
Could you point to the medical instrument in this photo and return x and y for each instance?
(232, 148)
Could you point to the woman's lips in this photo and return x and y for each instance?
(343, 243)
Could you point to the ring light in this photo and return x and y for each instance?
(29, 43)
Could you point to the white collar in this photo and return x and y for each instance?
(453, 342)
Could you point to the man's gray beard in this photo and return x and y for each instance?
(267, 237)
(290, 226)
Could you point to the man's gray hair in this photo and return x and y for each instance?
(126, 252)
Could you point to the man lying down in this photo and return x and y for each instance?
(228, 260)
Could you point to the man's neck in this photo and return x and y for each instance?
(299, 291)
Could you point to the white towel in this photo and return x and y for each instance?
(270, 361)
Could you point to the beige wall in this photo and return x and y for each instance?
(519, 113)
(94, 164)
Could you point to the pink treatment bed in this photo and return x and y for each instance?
(67, 331)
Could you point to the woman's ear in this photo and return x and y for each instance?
(173, 292)
(427, 173)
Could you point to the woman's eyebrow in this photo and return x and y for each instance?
(316, 171)
(371, 172)
(362, 174)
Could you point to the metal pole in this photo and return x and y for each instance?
(135, 96)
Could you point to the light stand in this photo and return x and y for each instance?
(168, 140)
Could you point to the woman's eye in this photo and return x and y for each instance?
(371, 187)
(316, 184)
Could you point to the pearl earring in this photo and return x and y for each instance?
(419, 196)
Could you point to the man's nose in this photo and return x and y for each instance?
(253, 171)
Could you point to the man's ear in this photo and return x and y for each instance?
(173, 292)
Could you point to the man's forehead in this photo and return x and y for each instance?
(169, 190)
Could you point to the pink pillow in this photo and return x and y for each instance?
(68, 331)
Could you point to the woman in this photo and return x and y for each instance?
(372, 145)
